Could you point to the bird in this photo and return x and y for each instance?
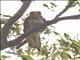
(33, 20)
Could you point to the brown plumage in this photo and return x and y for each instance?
(35, 19)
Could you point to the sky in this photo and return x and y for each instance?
(70, 27)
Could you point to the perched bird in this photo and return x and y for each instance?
(35, 19)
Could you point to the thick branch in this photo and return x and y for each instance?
(10, 22)
(65, 18)
(47, 23)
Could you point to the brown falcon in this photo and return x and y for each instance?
(35, 19)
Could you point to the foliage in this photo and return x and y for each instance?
(51, 7)
(74, 2)
(47, 31)
(3, 57)
(68, 48)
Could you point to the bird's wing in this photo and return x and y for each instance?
(26, 25)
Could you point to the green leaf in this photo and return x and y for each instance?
(44, 50)
(45, 5)
(47, 31)
(28, 51)
(69, 55)
(65, 56)
(54, 46)
(26, 57)
(66, 36)
(16, 29)
(53, 4)
(56, 33)
(19, 52)
(54, 56)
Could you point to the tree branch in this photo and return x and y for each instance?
(10, 22)
(64, 10)
(21, 44)
(47, 23)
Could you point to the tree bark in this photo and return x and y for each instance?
(10, 22)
